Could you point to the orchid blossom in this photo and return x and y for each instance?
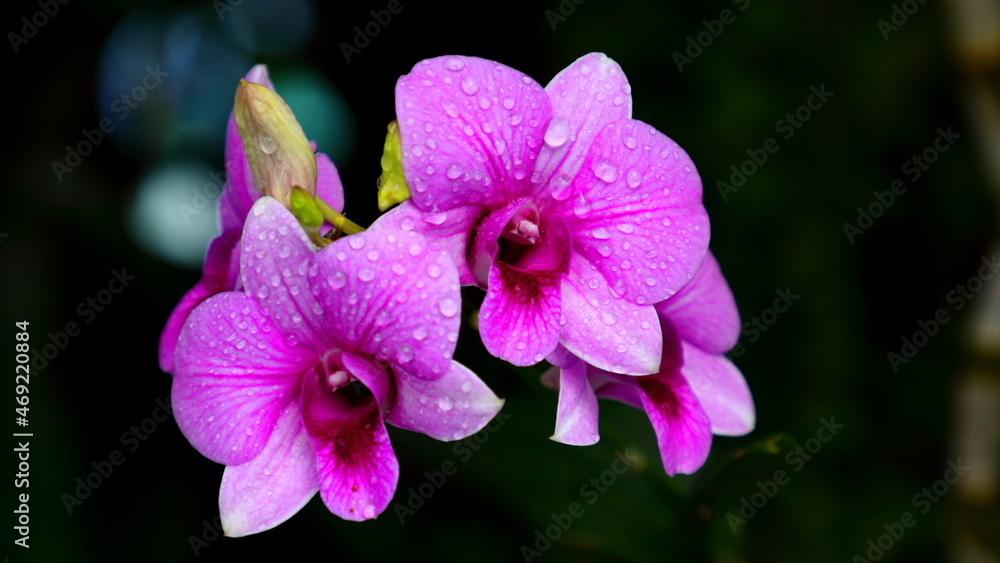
(289, 381)
(573, 216)
(697, 392)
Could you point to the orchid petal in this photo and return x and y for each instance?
(470, 129)
(721, 390)
(586, 96)
(235, 375)
(704, 312)
(683, 430)
(637, 213)
(268, 490)
(450, 230)
(607, 332)
(457, 405)
(358, 470)
(576, 415)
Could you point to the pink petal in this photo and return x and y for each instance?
(471, 130)
(269, 489)
(721, 390)
(373, 375)
(358, 470)
(519, 319)
(216, 277)
(683, 430)
(586, 96)
(328, 186)
(704, 312)
(637, 213)
(607, 332)
(234, 377)
(278, 271)
(450, 230)
(576, 415)
(457, 405)
(394, 296)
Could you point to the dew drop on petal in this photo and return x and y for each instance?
(633, 178)
(470, 85)
(605, 170)
(453, 172)
(557, 133)
(357, 241)
(405, 354)
(445, 404)
(449, 307)
(601, 233)
(420, 332)
(454, 63)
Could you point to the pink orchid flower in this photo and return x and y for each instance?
(221, 270)
(697, 391)
(289, 381)
(573, 216)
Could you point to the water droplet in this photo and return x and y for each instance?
(508, 103)
(484, 103)
(338, 280)
(666, 221)
(420, 332)
(601, 233)
(415, 249)
(434, 271)
(650, 281)
(258, 209)
(373, 255)
(626, 227)
(557, 132)
(449, 307)
(445, 404)
(605, 170)
(357, 241)
(470, 85)
(268, 145)
(604, 249)
(608, 318)
(453, 172)
(398, 269)
(466, 386)
(366, 274)
(405, 354)
(454, 63)
(561, 187)
(450, 108)
(581, 207)
(633, 178)
(368, 511)
(629, 141)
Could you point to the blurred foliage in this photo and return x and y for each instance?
(824, 358)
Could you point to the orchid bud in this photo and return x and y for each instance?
(279, 153)
(392, 188)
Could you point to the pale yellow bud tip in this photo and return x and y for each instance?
(279, 153)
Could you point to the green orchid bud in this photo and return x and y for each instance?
(392, 188)
(279, 153)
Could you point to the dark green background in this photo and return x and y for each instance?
(825, 357)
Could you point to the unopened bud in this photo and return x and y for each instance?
(279, 153)
(392, 188)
